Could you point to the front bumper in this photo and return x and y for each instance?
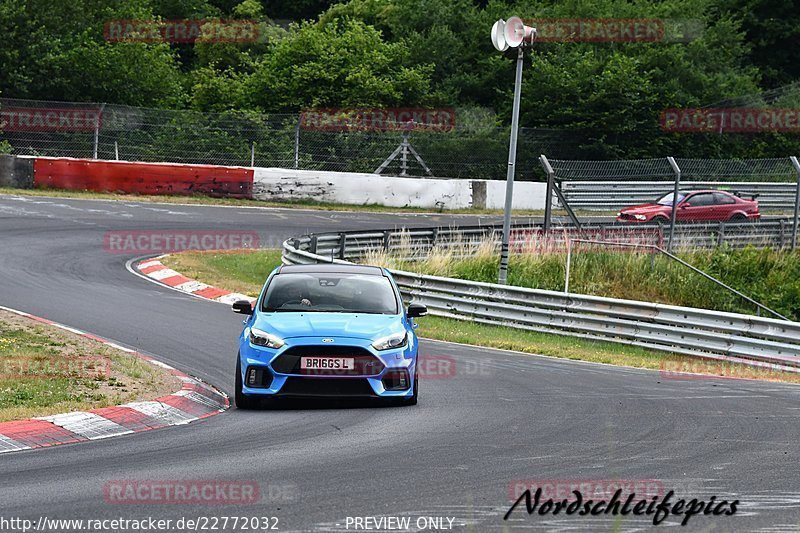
(284, 378)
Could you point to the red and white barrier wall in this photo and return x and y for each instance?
(142, 178)
(262, 183)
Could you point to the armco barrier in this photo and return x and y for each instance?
(142, 178)
(614, 195)
(684, 330)
(412, 242)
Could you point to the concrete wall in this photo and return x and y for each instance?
(360, 189)
(141, 178)
(263, 183)
(16, 172)
(527, 195)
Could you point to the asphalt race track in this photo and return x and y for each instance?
(499, 417)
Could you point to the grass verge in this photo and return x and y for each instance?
(246, 272)
(46, 371)
(765, 275)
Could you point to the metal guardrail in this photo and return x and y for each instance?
(684, 330)
(614, 195)
(353, 244)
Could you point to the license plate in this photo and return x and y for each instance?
(327, 363)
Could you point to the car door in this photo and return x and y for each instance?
(697, 207)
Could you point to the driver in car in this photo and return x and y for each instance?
(294, 295)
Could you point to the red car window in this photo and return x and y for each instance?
(701, 200)
(723, 199)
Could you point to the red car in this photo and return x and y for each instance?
(694, 206)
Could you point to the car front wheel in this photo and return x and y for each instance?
(413, 399)
(242, 400)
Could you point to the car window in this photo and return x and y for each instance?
(700, 200)
(667, 199)
(331, 293)
(722, 199)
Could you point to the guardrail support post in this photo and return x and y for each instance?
(342, 244)
(312, 245)
(796, 220)
(721, 233)
(673, 217)
(548, 196)
(386, 236)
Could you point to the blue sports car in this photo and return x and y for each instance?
(327, 331)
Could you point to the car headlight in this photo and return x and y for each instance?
(398, 340)
(640, 217)
(262, 338)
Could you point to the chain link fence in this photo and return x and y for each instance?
(107, 131)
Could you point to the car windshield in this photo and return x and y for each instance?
(330, 293)
(667, 199)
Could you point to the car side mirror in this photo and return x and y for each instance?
(243, 307)
(415, 310)
(684, 205)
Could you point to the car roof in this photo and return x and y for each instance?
(694, 191)
(331, 268)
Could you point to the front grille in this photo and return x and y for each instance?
(298, 386)
(365, 363)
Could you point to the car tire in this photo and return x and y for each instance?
(661, 221)
(738, 218)
(242, 400)
(414, 395)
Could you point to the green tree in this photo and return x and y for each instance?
(57, 51)
(341, 63)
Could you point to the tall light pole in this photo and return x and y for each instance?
(512, 34)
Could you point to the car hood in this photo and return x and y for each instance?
(645, 209)
(352, 325)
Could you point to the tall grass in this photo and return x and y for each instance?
(768, 276)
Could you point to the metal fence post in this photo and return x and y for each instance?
(252, 154)
(116, 150)
(97, 131)
(796, 220)
(548, 195)
(569, 260)
(297, 144)
(673, 217)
